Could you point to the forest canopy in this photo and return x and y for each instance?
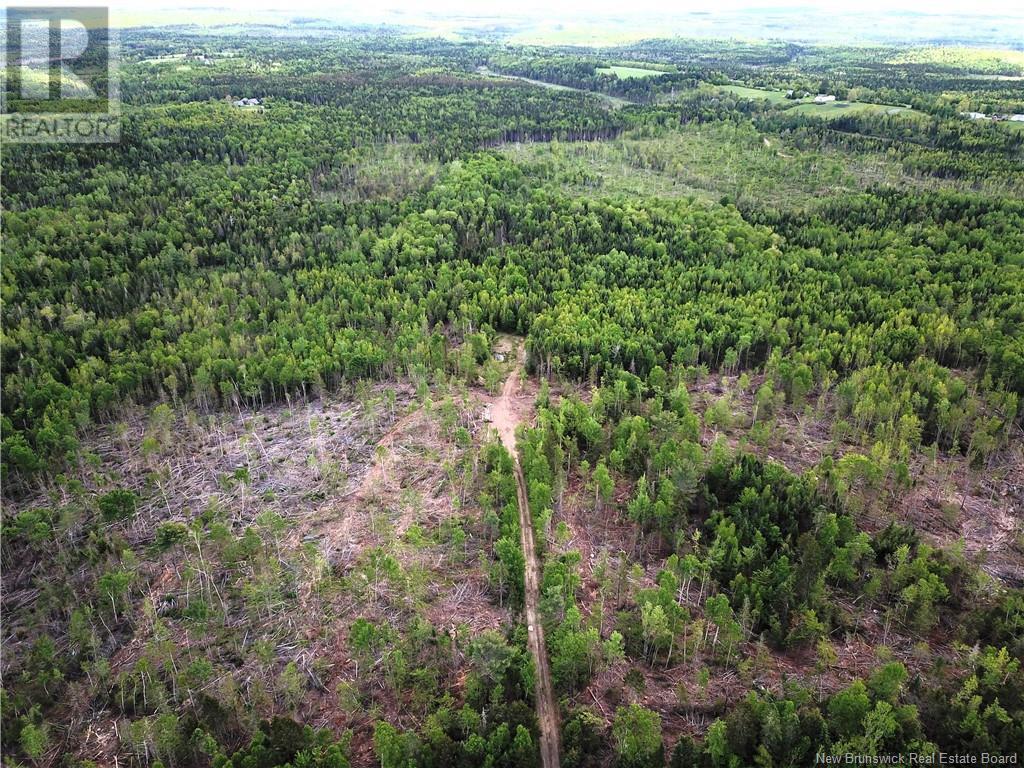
(311, 403)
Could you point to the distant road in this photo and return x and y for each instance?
(615, 102)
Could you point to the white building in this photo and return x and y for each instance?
(1017, 118)
(975, 115)
(824, 98)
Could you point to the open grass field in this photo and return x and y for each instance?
(629, 73)
(775, 97)
(840, 108)
(807, 106)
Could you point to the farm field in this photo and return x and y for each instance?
(775, 97)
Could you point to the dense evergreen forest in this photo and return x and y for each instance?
(770, 405)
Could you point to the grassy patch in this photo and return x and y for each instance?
(775, 97)
(840, 108)
(629, 73)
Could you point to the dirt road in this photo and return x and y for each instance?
(505, 418)
(614, 102)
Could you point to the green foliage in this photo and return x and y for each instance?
(637, 734)
(677, 229)
(281, 742)
(117, 505)
(169, 535)
(509, 564)
(582, 739)
(34, 738)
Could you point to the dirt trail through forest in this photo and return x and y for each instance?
(504, 417)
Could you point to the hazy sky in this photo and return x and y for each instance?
(581, 8)
(591, 21)
(617, 7)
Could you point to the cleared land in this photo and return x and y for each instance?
(775, 97)
(302, 523)
(840, 108)
(627, 73)
(708, 162)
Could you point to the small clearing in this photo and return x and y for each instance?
(743, 91)
(629, 73)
